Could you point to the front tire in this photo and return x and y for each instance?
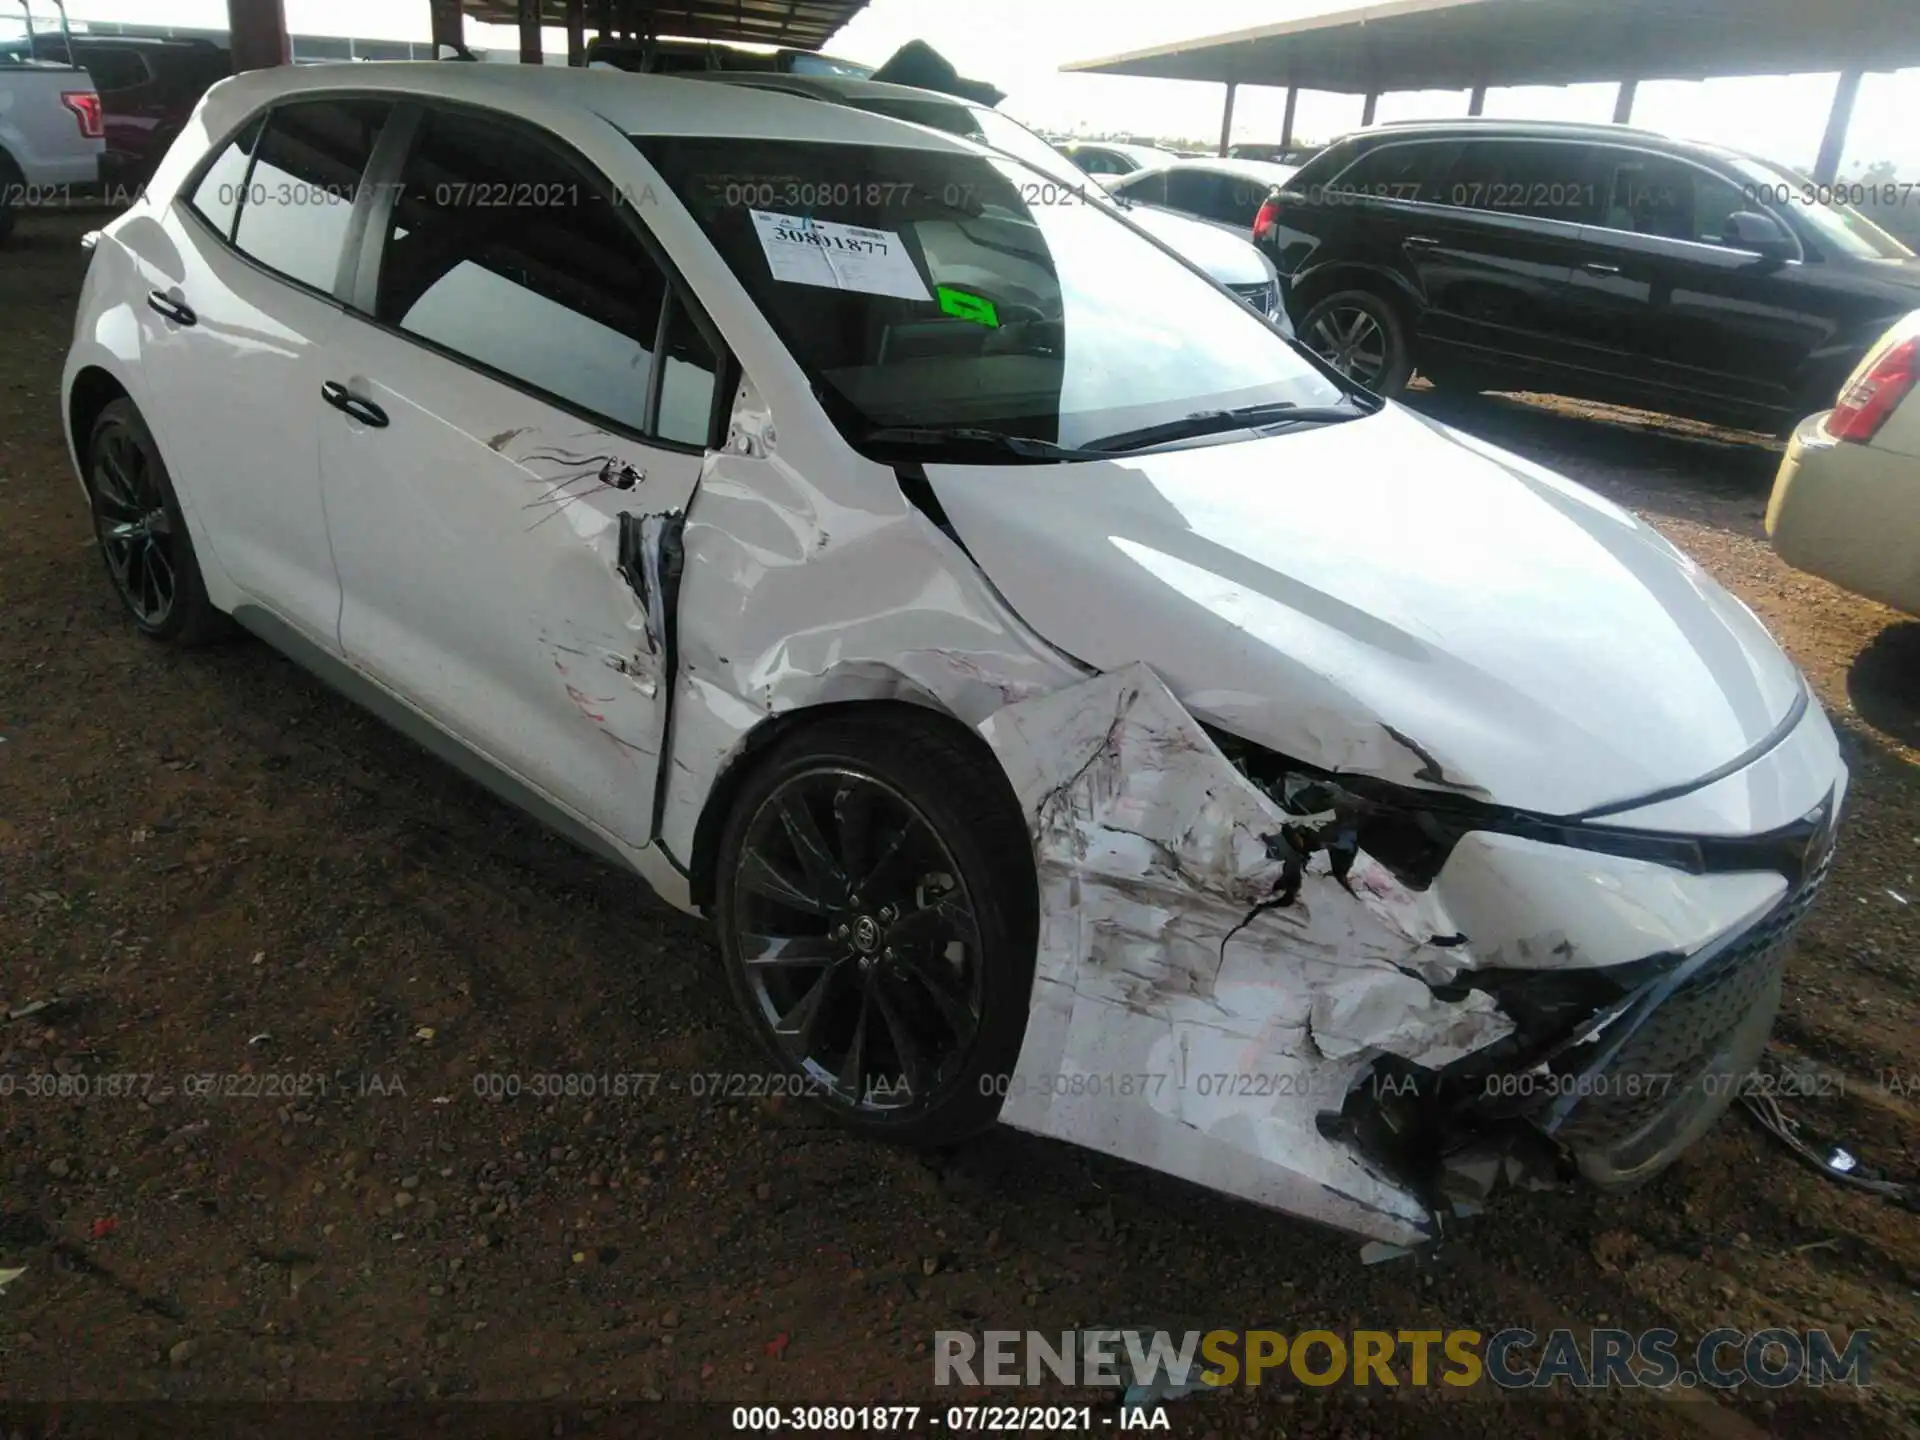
(143, 533)
(877, 909)
(1362, 336)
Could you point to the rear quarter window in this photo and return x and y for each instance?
(216, 197)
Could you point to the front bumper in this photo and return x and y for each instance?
(1358, 1044)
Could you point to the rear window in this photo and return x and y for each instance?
(114, 68)
(1406, 170)
(217, 196)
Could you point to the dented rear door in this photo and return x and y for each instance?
(508, 471)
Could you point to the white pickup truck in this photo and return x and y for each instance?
(52, 132)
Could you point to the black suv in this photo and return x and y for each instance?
(1590, 260)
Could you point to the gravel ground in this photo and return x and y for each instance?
(220, 867)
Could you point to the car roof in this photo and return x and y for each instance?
(1481, 128)
(827, 87)
(633, 104)
(1150, 153)
(1265, 171)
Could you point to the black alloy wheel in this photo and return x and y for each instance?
(136, 533)
(876, 906)
(1361, 336)
(859, 939)
(142, 533)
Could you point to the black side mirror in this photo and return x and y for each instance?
(1750, 230)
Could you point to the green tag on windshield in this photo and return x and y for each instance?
(961, 305)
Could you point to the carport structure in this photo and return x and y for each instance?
(259, 27)
(1476, 44)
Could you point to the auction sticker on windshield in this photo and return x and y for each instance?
(805, 251)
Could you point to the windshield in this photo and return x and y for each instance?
(1839, 227)
(936, 290)
(1010, 137)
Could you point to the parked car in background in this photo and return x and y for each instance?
(147, 89)
(1229, 258)
(1227, 192)
(1294, 155)
(1598, 261)
(1032, 663)
(667, 57)
(1846, 503)
(1107, 161)
(52, 135)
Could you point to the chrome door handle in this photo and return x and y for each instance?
(1421, 242)
(1600, 267)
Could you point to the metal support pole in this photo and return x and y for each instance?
(1477, 102)
(576, 32)
(1366, 111)
(449, 24)
(258, 34)
(1834, 143)
(1623, 102)
(1286, 123)
(603, 18)
(531, 50)
(1226, 117)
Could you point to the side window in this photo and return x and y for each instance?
(1653, 195)
(300, 196)
(1546, 179)
(508, 254)
(113, 68)
(1149, 187)
(1402, 172)
(1100, 162)
(690, 372)
(217, 196)
(1210, 195)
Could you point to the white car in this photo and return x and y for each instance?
(1846, 502)
(1071, 703)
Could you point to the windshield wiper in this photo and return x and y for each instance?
(1024, 446)
(1244, 417)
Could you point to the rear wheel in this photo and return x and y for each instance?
(1361, 335)
(876, 904)
(143, 534)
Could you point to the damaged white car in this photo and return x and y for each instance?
(1072, 703)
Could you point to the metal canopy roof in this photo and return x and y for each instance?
(1460, 44)
(798, 24)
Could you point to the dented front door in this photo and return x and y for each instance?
(509, 350)
(478, 536)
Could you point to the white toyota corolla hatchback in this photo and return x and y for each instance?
(1072, 704)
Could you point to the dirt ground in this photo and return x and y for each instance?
(216, 866)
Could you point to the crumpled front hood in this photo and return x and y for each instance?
(1393, 598)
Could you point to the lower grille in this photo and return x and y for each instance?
(1681, 1067)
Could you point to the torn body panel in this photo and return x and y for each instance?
(1228, 984)
(797, 595)
(1162, 971)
